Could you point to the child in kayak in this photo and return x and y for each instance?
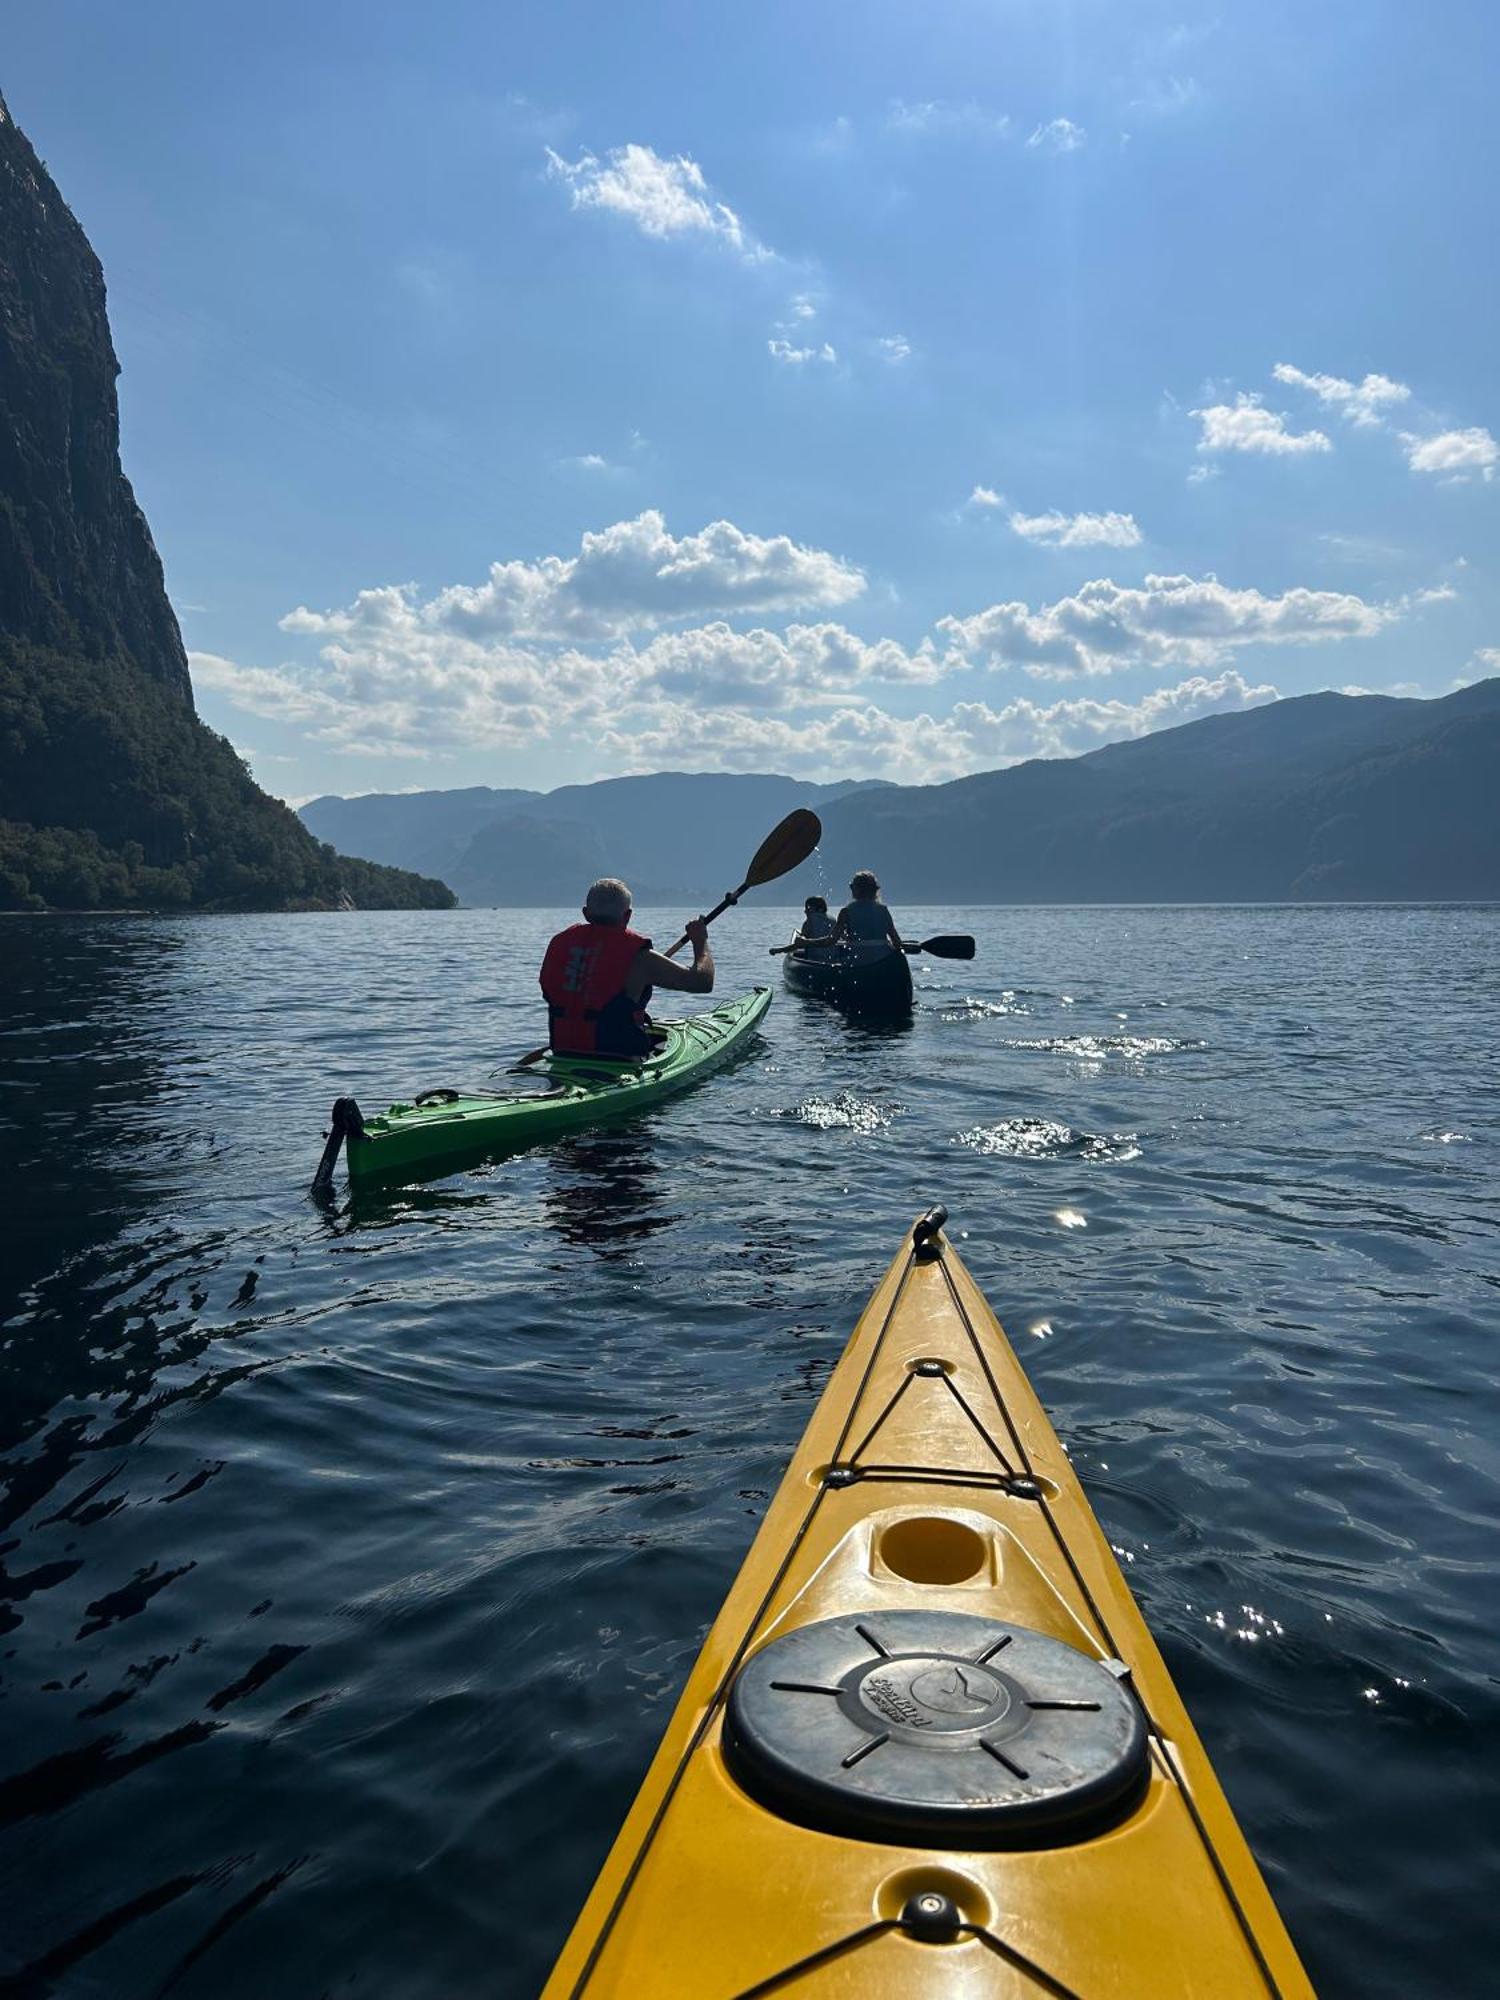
(866, 920)
(817, 926)
(597, 977)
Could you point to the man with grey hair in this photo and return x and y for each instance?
(597, 977)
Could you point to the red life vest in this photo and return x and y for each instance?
(583, 982)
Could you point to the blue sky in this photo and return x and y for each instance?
(526, 394)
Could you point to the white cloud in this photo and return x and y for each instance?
(415, 694)
(862, 740)
(597, 647)
(939, 117)
(894, 347)
(412, 688)
(1458, 454)
(1059, 135)
(714, 666)
(1246, 425)
(632, 576)
(589, 461)
(1364, 403)
(1168, 621)
(1078, 531)
(797, 357)
(985, 496)
(662, 197)
(717, 697)
(273, 692)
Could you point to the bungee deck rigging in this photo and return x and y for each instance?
(929, 1746)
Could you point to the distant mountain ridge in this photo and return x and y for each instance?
(1323, 797)
(672, 835)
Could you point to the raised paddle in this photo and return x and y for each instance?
(778, 854)
(938, 947)
(782, 850)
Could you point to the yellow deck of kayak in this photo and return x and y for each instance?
(709, 1894)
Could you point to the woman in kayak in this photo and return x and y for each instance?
(866, 920)
(597, 977)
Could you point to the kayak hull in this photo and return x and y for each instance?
(929, 1502)
(414, 1139)
(875, 982)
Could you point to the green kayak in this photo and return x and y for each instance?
(444, 1127)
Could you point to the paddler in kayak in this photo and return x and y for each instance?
(597, 977)
(816, 934)
(865, 919)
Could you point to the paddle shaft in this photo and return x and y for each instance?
(718, 910)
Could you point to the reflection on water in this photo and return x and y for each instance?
(303, 1505)
(604, 1190)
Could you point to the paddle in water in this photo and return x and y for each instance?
(936, 947)
(778, 854)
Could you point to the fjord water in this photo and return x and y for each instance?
(354, 1555)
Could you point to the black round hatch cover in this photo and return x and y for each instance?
(936, 1728)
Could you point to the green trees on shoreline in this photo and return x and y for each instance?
(113, 794)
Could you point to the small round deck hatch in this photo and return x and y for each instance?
(936, 1728)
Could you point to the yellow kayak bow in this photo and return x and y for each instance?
(929, 1747)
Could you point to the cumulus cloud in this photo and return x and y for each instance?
(1364, 403)
(1077, 531)
(715, 666)
(861, 739)
(632, 576)
(985, 496)
(1058, 135)
(663, 197)
(412, 688)
(416, 693)
(635, 642)
(894, 347)
(1247, 425)
(1454, 454)
(798, 357)
(1168, 621)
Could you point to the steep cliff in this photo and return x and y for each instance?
(111, 790)
(78, 568)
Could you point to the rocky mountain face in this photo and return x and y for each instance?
(112, 792)
(78, 567)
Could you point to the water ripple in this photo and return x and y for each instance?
(301, 1508)
(1046, 1139)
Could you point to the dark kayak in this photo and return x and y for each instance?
(865, 978)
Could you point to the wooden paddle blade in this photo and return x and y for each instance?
(948, 947)
(786, 848)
